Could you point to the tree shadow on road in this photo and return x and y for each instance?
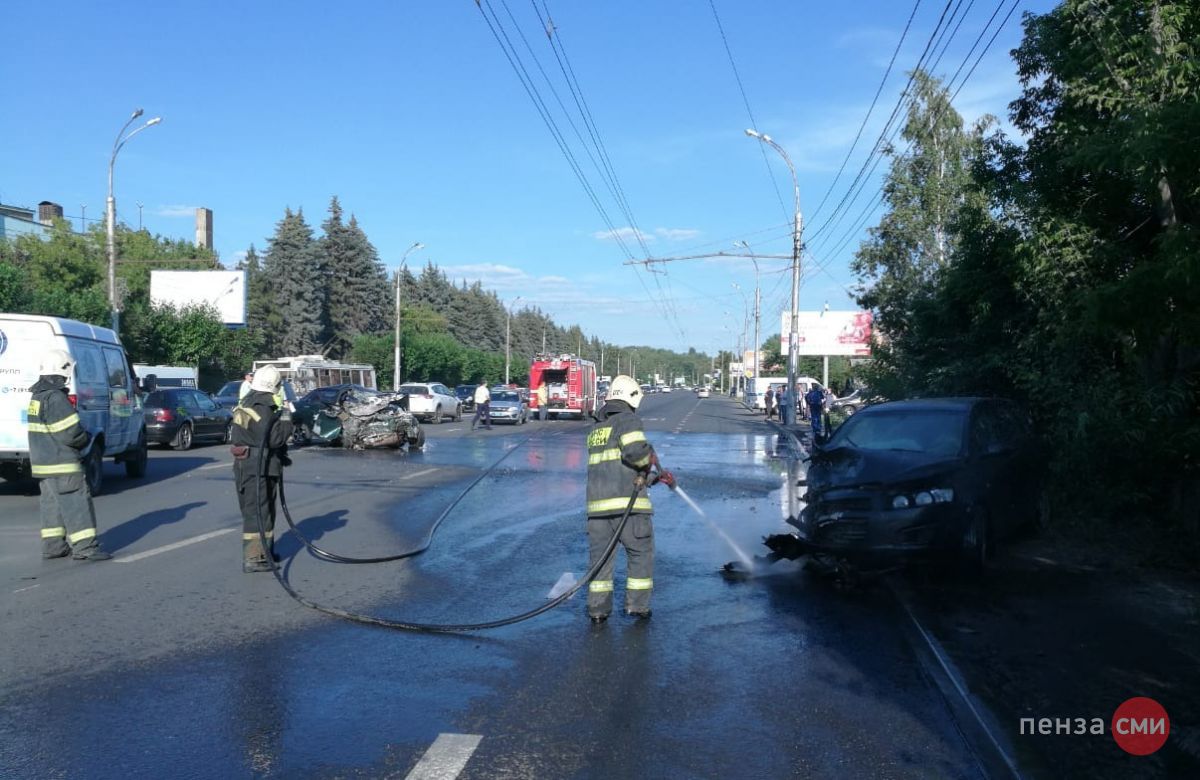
(313, 528)
(130, 531)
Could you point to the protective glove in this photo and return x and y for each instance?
(667, 478)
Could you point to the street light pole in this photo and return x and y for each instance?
(111, 216)
(508, 337)
(757, 311)
(789, 412)
(396, 350)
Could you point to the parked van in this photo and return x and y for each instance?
(779, 384)
(103, 389)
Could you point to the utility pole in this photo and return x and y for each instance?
(396, 347)
(508, 338)
(83, 218)
(139, 217)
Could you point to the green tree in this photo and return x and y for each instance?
(300, 287)
(357, 289)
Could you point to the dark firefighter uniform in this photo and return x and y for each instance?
(618, 453)
(257, 483)
(55, 440)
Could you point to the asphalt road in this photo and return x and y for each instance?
(169, 661)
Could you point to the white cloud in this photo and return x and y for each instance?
(677, 234)
(622, 233)
(176, 211)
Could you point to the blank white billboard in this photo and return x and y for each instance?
(830, 333)
(225, 291)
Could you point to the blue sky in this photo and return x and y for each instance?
(411, 114)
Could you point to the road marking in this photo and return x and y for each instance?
(445, 758)
(416, 474)
(452, 430)
(174, 545)
(28, 587)
(212, 466)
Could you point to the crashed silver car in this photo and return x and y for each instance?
(365, 419)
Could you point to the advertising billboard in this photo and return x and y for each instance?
(829, 333)
(225, 291)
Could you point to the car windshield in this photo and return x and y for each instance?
(231, 388)
(935, 432)
(506, 395)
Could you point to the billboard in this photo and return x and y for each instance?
(225, 291)
(829, 333)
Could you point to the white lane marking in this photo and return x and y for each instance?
(212, 466)
(445, 758)
(416, 474)
(174, 545)
(22, 590)
(452, 430)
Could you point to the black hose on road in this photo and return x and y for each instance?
(404, 625)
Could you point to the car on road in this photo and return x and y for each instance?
(909, 479)
(702, 393)
(180, 417)
(466, 396)
(312, 403)
(508, 406)
(853, 402)
(432, 401)
(229, 394)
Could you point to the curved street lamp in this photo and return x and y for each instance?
(111, 216)
(789, 417)
(396, 353)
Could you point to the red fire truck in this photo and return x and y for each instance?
(570, 384)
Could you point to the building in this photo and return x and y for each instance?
(18, 221)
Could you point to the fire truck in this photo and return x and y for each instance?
(570, 385)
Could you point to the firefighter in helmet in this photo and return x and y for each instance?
(57, 441)
(620, 458)
(260, 418)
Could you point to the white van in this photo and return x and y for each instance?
(779, 383)
(103, 389)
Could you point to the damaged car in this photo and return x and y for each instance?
(359, 419)
(938, 477)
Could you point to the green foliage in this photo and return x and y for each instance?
(1074, 284)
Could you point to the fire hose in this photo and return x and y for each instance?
(406, 625)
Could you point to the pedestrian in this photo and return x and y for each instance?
(244, 390)
(483, 405)
(543, 398)
(57, 445)
(259, 419)
(816, 408)
(769, 402)
(620, 460)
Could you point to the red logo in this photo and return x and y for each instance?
(1140, 726)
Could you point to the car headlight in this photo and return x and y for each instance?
(901, 502)
(923, 498)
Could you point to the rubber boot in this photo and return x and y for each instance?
(254, 558)
(93, 553)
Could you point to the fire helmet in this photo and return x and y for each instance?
(266, 380)
(57, 362)
(624, 388)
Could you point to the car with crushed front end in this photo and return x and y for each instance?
(507, 406)
(928, 478)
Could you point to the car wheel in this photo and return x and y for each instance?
(437, 417)
(977, 546)
(228, 437)
(93, 468)
(849, 411)
(458, 413)
(183, 438)
(135, 467)
(418, 441)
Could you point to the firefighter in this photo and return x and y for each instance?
(57, 442)
(619, 457)
(258, 483)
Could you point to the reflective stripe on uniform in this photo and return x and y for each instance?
(79, 536)
(57, 532)
(55, 469)
(249, 537)
(631, 437)
(639, 583)
(642, 463)
(600, 586)
(604, 455)
(57, 427)
(609, 504)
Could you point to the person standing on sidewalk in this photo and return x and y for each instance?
(57, 442)
(483, 405)
(769, 402)
(816, 409)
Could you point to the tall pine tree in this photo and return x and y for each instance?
(358, 289)
(294, 270)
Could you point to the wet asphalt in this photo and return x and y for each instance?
(170, 662)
